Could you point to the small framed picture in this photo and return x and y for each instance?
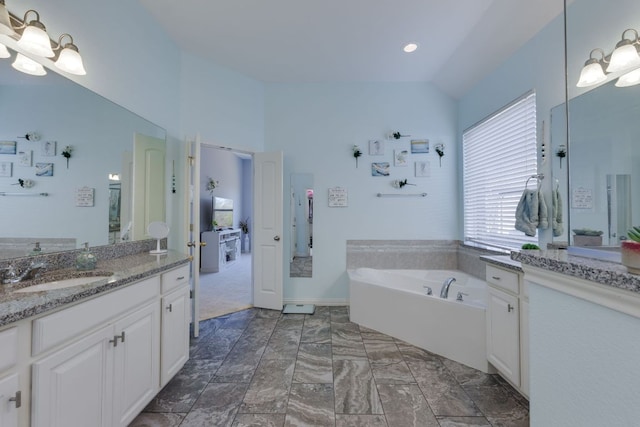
(376, 148)
(6, 169)
(419, 146)
(380, 169)
(400, 158)
(24, 158)
(44, 169)
(8, 147)
(423, 169)
(48, 148)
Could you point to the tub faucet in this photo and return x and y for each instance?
(31, 272)
(444, 292)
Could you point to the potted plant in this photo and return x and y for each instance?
(630, 251)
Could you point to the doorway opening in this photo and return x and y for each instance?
(226, 218)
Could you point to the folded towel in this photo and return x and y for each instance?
(527, 212)
(543, 212)
(556, 213)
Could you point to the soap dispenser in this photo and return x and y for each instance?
(37, 250)
(85, 259)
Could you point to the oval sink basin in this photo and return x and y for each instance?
(61, 284)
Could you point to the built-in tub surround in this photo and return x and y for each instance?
(395, 302)
(126, 263)
(417, 254)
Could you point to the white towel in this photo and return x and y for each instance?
(543, 212)
(556, 213)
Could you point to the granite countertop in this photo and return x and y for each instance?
(126, 270)
(560, 261)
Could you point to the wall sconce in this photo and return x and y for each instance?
(35, 40)
(34, 37)
(28, 66)
(624, 57)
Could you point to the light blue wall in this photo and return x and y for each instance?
(223, 106)
(316, 125)
(539, 66)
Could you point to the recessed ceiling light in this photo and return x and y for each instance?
(410, 47)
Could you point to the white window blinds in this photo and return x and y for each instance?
(499, 154)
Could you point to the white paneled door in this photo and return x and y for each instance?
(268, 225)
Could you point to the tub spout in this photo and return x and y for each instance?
(444, 292)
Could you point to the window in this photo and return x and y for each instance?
(499, 154)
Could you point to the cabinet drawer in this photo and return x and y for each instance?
(8, 348)
(54, 329)
(174, 278)
(507, 280)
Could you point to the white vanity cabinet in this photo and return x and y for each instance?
(101, 361)
(507, 326)
(10, 391)
(222, 249)
(176, 310)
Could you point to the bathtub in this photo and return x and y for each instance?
(394, 302)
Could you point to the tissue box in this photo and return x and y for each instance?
(587, 240)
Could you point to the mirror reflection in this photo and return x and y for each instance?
(82, 204)
(604, 164)
(301, 255)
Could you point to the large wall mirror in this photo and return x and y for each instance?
(90, 198)
(301, 251)
(603, 192)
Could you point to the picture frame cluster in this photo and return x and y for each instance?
(402, 156)
(15, 157)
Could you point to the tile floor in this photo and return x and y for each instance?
(262, 368)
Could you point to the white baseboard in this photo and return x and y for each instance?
(319, 301)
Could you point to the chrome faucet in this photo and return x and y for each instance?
(31, 272)
(444, 292)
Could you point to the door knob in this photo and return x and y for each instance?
(203, 243)
(276, 238)
(191, 244)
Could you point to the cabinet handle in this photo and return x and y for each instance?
(180, 278)
(17, 398)
(495, 277)
(170, 308)
(116, 338)
(510, 308)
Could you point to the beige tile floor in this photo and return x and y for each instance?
(227, 291)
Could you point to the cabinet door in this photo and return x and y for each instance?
(72, 387)
(503, 345)
(524, 346)
(137, 363)
(8, 411)
(175, 333)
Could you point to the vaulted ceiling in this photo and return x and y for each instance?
(460, 41)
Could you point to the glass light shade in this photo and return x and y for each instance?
(624, 57)
(4, 52)
(591, 74)
(71, 62)
(28, 66)
(5, 22)
(35, 40)
(630, 79)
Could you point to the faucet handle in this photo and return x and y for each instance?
(459, 296)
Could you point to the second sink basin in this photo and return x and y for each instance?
(61, 284)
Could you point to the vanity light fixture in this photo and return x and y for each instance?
(28, 66)
(34, 37)
(625, 55)
(4, 52)
(69, 59)
(630, 79)
(5, 21)
(592, 72)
